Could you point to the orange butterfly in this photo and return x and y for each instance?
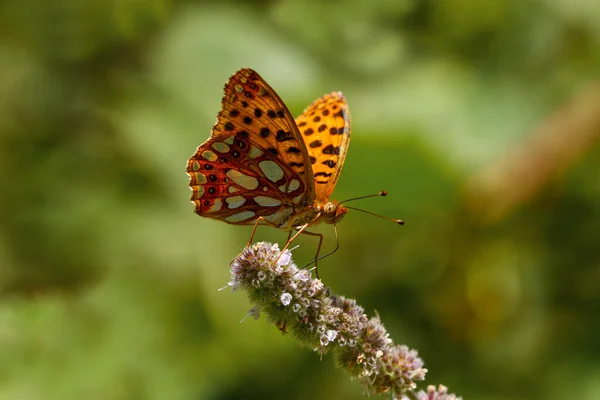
(262, 167)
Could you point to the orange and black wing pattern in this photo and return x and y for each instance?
(255, 163)
(325, 127)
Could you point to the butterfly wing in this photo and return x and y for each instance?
(255, 163)
(325, 127)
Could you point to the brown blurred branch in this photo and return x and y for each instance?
(562, 139)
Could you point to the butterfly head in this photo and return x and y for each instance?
(333, 212)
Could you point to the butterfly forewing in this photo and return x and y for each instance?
(325, 127)
(255, 162)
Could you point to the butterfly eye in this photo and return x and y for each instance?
(329, 208)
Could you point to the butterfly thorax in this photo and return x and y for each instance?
(318, 212)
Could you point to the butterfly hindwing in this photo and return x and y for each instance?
(325, 127)
(235, 189)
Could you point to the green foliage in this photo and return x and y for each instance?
(108, 279)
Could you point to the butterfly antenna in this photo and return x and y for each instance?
(398, 221)
(383, 193)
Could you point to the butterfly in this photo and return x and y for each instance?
(262, 167)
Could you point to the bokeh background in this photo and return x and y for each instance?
(480, 118)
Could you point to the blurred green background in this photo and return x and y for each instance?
(480, 118)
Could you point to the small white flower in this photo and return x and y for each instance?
(284, 259)
(254, 313)
(303, 276)
(231, 284)
(275, 247)
(317, 285)
(286, 299)
(331, 335)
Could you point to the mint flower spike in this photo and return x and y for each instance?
(441, 393)
(326, 322)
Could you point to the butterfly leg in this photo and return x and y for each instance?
(258, 220)
(300, 229)
(320, 236)
(317, 258)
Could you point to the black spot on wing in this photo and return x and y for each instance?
(283, 136)
(330, 149)
(265, 132)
